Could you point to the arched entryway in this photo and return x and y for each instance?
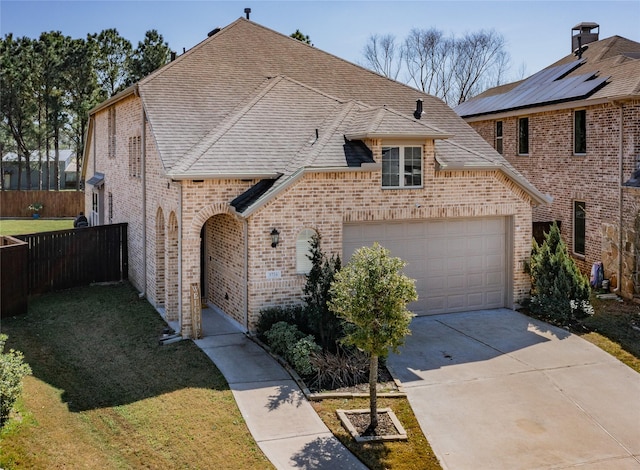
(223, 265)
(160, 293)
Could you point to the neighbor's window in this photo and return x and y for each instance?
(401, 167)
(523, 136)
(499, 136)
(303, 251)
(112, 132)
(580, 132)
(579, 227)
(135, 156)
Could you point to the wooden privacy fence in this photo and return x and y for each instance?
(55, 203)
(13, 276)
(76, 257)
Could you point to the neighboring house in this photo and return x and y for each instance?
(66, 168)
(573, 130)
(227, 161)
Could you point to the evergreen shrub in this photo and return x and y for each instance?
(559, 291)
(12, 370)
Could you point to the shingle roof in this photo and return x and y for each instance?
(608, 69)
(248, 101)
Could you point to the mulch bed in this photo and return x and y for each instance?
(360, 422)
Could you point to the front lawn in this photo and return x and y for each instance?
(105, 394)
(615, 328)
(24, 226)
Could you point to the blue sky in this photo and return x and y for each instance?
(537, 32)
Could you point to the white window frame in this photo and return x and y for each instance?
(401, 167)
(303, 250)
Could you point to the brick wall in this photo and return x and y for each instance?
(178, 210)
(592, 178)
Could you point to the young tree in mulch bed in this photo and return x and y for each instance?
(371, 295)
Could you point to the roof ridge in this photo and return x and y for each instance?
(200, 147)
(192, 50)
(300, 160)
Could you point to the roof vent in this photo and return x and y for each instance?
(211, 33)
(582, 34)
(418, 112)
(247, 11)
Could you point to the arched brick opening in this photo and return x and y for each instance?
(225, 264)
(172, 281)
(160, 260)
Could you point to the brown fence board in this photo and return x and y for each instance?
(70, 258)
(13, 277)
(56, 203)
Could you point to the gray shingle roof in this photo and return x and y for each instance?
(247, 102)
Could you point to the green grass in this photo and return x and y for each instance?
(615, 328)
(105, 394)
(24, 226)
(414, 454)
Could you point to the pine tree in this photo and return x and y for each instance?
(560, 292)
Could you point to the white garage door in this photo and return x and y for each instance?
(458, 264)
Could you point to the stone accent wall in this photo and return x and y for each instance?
(593, 178)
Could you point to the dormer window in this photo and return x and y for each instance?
(401, 167)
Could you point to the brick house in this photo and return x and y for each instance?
(227, 161)
(573, 130)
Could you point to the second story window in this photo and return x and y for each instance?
(580, 132)
(499, 136)
(401, 167)
(523, 136)
(111, 132)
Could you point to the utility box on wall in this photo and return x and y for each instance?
(13, 276)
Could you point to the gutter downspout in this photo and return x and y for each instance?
(143, 164)
(618, 288)
(246, 273)
(180, 262)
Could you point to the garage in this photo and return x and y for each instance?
(458, 264)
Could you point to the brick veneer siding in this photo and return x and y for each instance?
(176, 212)
(592, 178)
(323, 202)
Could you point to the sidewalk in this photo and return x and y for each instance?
(283, 423)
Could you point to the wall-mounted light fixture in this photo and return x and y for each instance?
(275, 238)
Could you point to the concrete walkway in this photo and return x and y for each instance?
(283, 423)
(497, 390)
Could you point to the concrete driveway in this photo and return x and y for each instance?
(498, 390)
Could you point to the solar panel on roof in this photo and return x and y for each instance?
(545, 87)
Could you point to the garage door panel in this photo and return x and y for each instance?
(494, 299)
(458, 264)
(475, 280)
(455, 282)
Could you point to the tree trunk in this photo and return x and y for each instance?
(56, 160)
(373, 394)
